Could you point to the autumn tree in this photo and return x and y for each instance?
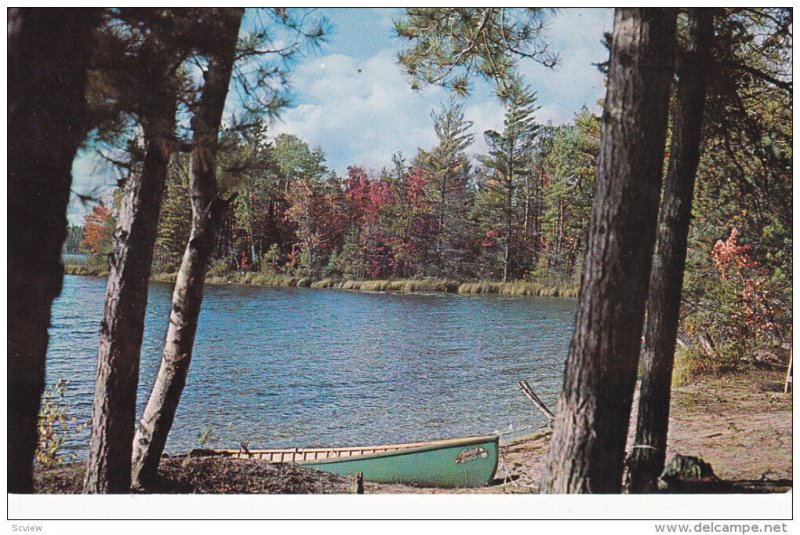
(308, 199)
(588, 445)
(407, 217)
(744, 182)
(98, 231)
(48, 55)
(312, 209)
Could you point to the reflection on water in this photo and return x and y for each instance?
(302, 367)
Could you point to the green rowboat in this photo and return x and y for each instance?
(459, 462)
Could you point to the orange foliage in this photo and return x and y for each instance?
(734, 264)
(97, 230)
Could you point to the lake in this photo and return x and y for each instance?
(303, 367)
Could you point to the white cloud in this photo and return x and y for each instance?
(486, 115)
(360, 113)
(576, 34)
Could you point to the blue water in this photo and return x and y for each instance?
(303, 367)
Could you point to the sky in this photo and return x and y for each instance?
(352, 99)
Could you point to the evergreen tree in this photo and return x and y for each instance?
(448, 45)
(176, 217)
(510, 161)
(588, 446)
(567, 179)
(48, 56)
(448, 173)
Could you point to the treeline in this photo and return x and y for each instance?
(517, 213)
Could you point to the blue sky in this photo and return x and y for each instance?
(362, 118)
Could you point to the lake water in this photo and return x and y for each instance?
(303, 367)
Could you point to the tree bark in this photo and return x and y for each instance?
(663, 306)
(587, 450)
(48, 51)
(509, 207)
(187, 297)
(114, 410)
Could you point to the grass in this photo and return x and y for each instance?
(252, 278)
(518, 288)
(402, 285)
(85, 270)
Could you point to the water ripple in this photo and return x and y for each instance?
(303, 367)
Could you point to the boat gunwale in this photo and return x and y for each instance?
(409, 451)
(389, 448)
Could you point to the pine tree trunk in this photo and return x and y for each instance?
(48, 50)
(588, 445)
(507, 249)
(187, 297)
(666, 279)
(114, 411)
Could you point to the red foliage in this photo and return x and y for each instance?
(734, 264)
(244, 263)
(490, 240)
(97, 230)
(416, 187)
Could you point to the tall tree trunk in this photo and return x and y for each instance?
(114, 410)
(48, 51)
(509, 215)
(588, 445)
(187, 297)
(666, 279)
(440, 233)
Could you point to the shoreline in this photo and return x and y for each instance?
(740, 423)
(515, 288)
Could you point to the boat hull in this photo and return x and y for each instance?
(461, 462)
(468, 463)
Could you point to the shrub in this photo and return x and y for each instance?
(55, 425)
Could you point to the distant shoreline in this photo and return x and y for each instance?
(514, 288)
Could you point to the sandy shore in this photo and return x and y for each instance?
(741, 424)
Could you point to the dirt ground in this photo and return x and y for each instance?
(208, 475)
(740, 424)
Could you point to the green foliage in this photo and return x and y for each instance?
(743, 198)
(568, 164)
(74, 239)
(448, 45)
(175, 222)
(272, 260)
(217, 268)
(350, 262)
(510, 175)
(55, 425)
(447, 171)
